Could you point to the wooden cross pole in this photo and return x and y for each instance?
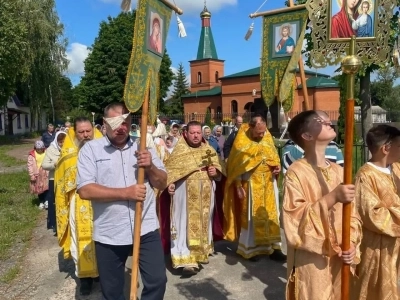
(350, 66)
(208, 156)
(139, 205)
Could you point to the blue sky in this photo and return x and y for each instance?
(230, 21)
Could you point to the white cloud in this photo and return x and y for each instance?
(189, 6)
(76, 55)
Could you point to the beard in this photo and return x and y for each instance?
(83, 142)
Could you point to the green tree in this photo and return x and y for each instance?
(166, 77)
(32, 50)
(181, 88)
(13, 41)
(107, 65)
(384, 94)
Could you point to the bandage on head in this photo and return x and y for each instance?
(115, 122)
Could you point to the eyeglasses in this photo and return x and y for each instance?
(323, 122)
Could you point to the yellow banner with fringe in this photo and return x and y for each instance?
(283, 35)
(149, 39)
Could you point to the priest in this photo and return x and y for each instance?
(187, 207)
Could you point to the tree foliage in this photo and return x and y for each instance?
(32, 52)
(107, 65)
(181, 88)
(385, 94)
(13, 42)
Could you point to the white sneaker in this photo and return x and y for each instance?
(46, 204)
(41, 206)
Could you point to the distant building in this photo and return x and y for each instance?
(379, 115)
(15, 118)
(240, 93)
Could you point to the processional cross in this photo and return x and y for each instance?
(208, 156)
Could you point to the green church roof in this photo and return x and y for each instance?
(215, 91)
(256, 72)
(206, 48)
(320, 82)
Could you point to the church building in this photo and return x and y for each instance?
(240, 93)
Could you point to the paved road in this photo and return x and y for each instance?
(45, 275)
(229, 277)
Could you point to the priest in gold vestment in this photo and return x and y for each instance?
(312, 215)
(74, 215)
(186, 223)
(251, 200)
(378, 202)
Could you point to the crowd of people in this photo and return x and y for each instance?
(201, 187)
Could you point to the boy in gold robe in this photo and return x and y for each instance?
(378, 204)
(312, 214)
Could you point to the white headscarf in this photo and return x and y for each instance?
(54, 142)
(204, 128)
(160, 130)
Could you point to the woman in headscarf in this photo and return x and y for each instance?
(49, 163)
(135, 133)
(159, 136)
(38, 176)
(210, 139)
(341, 26)
(217, 133)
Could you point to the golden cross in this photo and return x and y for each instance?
(208, 156)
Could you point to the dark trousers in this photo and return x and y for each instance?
(51, 212)
(111, 266)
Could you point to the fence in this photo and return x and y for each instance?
(379, 115)
(358, 154)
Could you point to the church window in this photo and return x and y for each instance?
(216, 76)
(199, 77)
(19, 121)
(234, 107)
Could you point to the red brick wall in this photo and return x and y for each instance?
(208, 69)
(240, 89)
(199, 105)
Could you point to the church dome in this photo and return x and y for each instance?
(205, 13)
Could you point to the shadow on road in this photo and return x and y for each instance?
(203, 289)
(271, 273)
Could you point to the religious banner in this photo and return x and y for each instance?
(150, 33)
(283, 35)
(334, 22)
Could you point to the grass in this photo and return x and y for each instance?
(18, 216)
(10, 275)
(9, 161)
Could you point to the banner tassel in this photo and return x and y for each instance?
(126, 5)
(269, 119)
(181, 28)
(282, 118)
(249, 32)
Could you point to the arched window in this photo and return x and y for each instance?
(199, 77)
(216, 76)
(234, 107)
(248, 106)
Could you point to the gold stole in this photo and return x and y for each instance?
(65, 189)
(247, 155)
